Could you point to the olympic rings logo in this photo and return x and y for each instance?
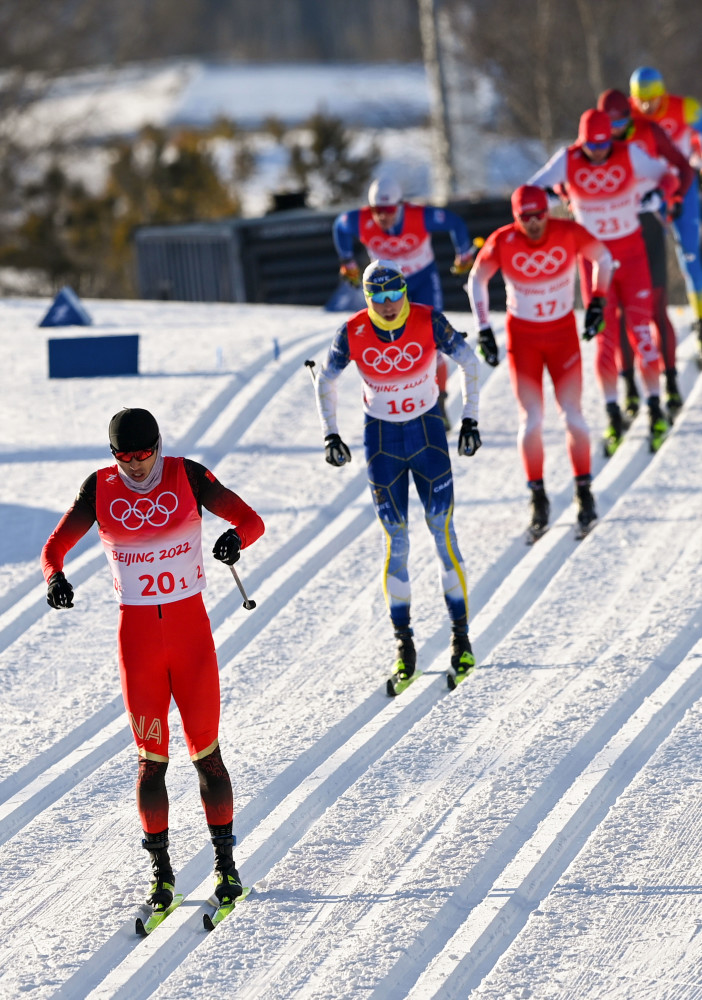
(600, 180)
(133, 516)
(540, 262)
(400, 358)
(393, 246)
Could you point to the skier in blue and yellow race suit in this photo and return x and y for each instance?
(394, 344)
(398, 231)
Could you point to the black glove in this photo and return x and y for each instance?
(227, 548)
(59, 593)
(594, 318)
(488, 347)
(335, 451)
(675, 208)
(469, 437)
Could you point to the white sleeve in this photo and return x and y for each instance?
(325, 392)
(552, 173)
(465, 358)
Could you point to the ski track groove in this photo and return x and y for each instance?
(365, 734)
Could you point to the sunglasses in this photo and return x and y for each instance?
(390, 296)
(127, 456)
(621, 122)
(594, 146)
(528, 216)
(385, 209)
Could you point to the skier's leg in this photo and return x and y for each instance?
(525, 360)
(431, 470)
(564, 364)
(388, 480)
(195, 684)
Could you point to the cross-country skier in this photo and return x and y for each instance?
(148, 510)
(681, 117)
(394, 344)
(654, 213)
(601, 179)
(538, 257)
(399, 231)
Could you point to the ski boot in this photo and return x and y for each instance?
(632, 401)
(443, 396)
(403, 672)
(228, 886)
(540, 510)
(462, 659)
(587, 514)
(614, 433)
(673, 402)
(161, 895)
(658, 424)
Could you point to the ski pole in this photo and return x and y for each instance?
(310, 367)
(249, 605)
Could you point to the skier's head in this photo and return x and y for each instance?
(133, 430)
(384, 198)
(646, 87)
(595, 134)
(530, 210)
(615, 103)
(385, 289)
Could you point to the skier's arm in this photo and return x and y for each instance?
(666, 148)
(215, 497)
(345, 233)
(487, 264)
(553, 173)
(602, 261)
(75, 523)
(336, 361)
(453, 344)
(441, 220)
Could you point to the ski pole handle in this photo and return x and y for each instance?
(249, 605)
(309, 365)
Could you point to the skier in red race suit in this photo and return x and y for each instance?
(148, 511)
(601, 179)
(537, 257)
(654, 213)
(395, 230)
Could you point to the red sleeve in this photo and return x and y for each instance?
(75, 523)
(224, 503)
(666, 148)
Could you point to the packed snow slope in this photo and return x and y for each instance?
(535, 833)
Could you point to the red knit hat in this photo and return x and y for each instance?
(615, 103)
(529, 198)
(595, 126)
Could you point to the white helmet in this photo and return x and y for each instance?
(384, 191)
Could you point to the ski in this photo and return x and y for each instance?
(656, 438)
(453, 680)
(399, 683)
(223, 910)
(583, 530)
(534, 533)
(156, 917)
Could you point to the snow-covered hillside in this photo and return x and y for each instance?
(535, 833)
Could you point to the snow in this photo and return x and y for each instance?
(535, 833)
(387, 104)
